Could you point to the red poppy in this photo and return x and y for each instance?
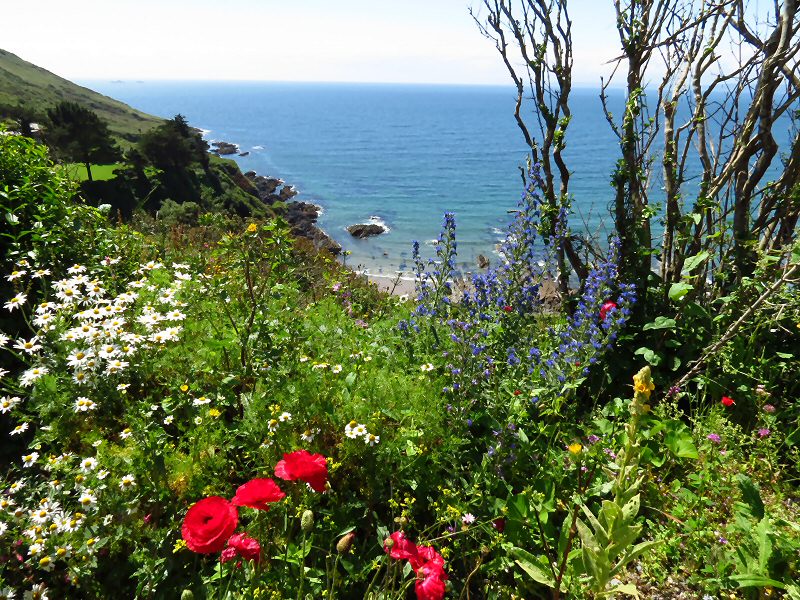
(605, 308)
(302, 465)
(242, 545)
(508, 308)
(426, 555)
(208, 525)
(257, 493)
(401, 547)
(727, 401)
(430, 584)
(517, 392)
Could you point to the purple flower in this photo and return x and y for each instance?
(768, 408)
(763, 432)
(714, 438)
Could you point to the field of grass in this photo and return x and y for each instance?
(77, 171)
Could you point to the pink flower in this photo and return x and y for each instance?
(763, 432)
(714, 438)
(768, 408)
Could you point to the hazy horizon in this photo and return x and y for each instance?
(353, 41)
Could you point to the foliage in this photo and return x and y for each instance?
(78, 135)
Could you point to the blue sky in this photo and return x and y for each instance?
(422, 41)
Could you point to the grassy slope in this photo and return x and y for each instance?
(21, 81)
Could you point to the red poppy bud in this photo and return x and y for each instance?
(726, 401)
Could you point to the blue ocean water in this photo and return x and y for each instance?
(401, 155)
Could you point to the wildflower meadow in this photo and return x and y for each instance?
(221, 412)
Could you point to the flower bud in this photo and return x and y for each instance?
(345, 543)
(187, 594)
(307, 521)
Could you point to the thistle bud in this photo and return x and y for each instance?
(307, 521)
(345, 543)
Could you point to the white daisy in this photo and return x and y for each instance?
(15, 302)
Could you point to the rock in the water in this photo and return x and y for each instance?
(362, 230)
(288, 192)
(223, 148)
(244, 153)
(483, 262)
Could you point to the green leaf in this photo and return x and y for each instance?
(533, 566)
(633, 554)
(623, 537)
(678, 440)
(660, 322)
(631, 509)
(600, 534)
(649, 355)
(625, 588)
(749, 580)
(751, 496)
(691, 263)
(679, 290)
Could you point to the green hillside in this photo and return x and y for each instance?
(39, 89)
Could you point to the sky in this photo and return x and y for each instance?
(402, 41)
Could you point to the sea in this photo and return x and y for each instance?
(398, 155)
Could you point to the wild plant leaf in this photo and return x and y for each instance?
(533, 566)
(749, 580)
(691, 263)
(631, 509)
(678, 290)
(586, 536)
(609, 514)
(623, 537)
(633, 554)
(660, 322)
(593, 568)
(624, 588)
(751, 496)
(764, 529)
(601, 535)
(679, 441)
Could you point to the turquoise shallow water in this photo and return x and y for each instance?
(401, 155)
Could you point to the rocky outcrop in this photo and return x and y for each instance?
(483, 262)
(266, 186)
(287, 193)
(301, 216)
(224, 148)
(363, 230)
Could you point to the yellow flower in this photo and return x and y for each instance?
(184, 388)
(213, 412)
(575, 448)
(179, 545)
(252, 228)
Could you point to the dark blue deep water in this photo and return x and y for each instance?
(398, 154)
